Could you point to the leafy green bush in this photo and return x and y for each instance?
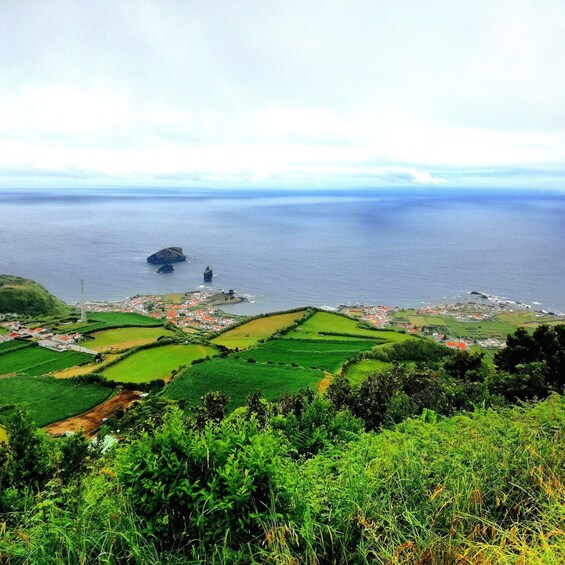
(212, 486)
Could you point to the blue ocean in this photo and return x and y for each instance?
(291, 248)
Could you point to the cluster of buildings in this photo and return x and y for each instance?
(191, 310)
(378, 316)
(44, 337)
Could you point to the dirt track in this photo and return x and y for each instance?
(91, 420)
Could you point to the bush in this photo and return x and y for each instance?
(216, 486)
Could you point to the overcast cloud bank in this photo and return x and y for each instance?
(287, 94)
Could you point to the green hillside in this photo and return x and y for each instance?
(28, 298)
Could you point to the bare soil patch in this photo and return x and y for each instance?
(92, 419)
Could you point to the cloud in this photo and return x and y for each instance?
(295, 92)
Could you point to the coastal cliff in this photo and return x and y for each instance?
(26, 297)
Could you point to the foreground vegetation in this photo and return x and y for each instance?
(485, 487)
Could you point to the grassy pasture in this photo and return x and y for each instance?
(323, 323)
(418, 321)
(250, 333)
(13, 344)
(37, 361)
(49, 399)
(106, 320)
(156, 362)
(323, 354)
(85, 369)
(125, 338)
(358, 372)
(237, 379)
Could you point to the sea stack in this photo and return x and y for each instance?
(208, 274)
(166, 268)
(167, 255)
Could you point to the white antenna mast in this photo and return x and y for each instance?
(82, 308)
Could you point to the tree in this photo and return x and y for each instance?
(212, 409)
(526, 382)
(546, 345)
(521, 348)
(371, 400)
(465, 366)
(28, 458)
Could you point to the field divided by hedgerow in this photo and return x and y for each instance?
(49, 399)
(251, 332)
(6, 346)
(36, 361)
(106, 320)
(156, 362)
(238, 379)
(325, 325)
(322, 354)
(125, 338)
(357, 372)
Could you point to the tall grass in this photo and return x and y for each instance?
(481, 488)
(472, 489)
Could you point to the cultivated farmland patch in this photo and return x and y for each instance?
(238, 379)
(156, 362)
(36, 361)
(322, 354)
(106, 320)
(13, 344)
(49, 399)
(251, 332)
(325, 325)
(125, 338)
(358, 372)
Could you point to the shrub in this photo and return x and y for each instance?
(215, 486)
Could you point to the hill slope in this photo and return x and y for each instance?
(26, 297)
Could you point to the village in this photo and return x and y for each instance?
(192, 311)
(44, 337)
(482, 322)
(460, 325)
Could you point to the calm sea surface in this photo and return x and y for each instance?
(291, 249)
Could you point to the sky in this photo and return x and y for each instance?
(291, 94)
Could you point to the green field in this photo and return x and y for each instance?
(36, 361)
(49, 399)
(6, 346)
(498, 327)
(323, 323)
(156, 362)
(322, 354)
(124, 338)
(237, 379)
(358, 372)
(250, 333)
(106, 320)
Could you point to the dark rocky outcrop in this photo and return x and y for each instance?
(167, 268)
(167, 255)
(208, 274)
